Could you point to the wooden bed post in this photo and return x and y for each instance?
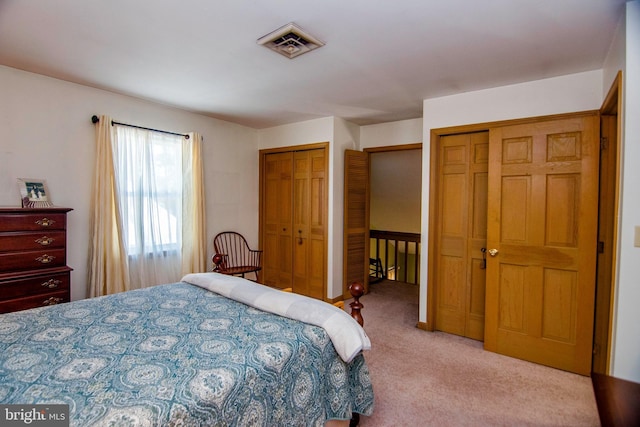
(217, 261)
(356, 290)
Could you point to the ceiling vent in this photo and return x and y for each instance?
(290, 41)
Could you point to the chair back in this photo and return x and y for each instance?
(235, 249)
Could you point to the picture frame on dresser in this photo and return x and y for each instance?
(33, 258)
(34, 193)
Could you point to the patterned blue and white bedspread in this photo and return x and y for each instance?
(177, 355)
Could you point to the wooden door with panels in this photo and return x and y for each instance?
(293, 218)
(277, 217)
(542, 232)
(461, 234)
(309, 222)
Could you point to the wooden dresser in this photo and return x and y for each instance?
(33, 258)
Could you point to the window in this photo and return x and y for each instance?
(148, 213)
(148, 173)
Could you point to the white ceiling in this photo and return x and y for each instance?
(381, 58)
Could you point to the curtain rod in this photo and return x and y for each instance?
(95, 119)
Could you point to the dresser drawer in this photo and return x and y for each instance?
(32, 240)
(33, 257)
(34, 301)
(13, 261)
(33, 221)
(34, 285)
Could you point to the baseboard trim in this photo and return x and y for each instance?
(424, 326)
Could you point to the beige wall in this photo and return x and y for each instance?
(46, 132)
(395, 192)
(395, 133)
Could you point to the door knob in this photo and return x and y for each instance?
(493, 252)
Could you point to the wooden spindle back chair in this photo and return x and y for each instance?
(233, 255)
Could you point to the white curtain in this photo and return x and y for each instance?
(156, 190)
(148, 170)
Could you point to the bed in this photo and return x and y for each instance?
(209, 350)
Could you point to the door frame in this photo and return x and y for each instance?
(388, 149)
(368, 151)
(436, 134)
(606, 276)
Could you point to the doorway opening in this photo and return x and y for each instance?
(395, 183)
(394, 218)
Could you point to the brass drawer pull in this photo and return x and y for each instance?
(45, 259)
(45, 240)
(45, 222)
(52, 301)
(51, 283)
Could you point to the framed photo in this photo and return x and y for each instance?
(34, 192)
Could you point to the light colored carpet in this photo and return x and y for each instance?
(435, 379)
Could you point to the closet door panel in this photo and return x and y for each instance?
(317, 249)
(462, 231)
(277, 217)
(301, 200)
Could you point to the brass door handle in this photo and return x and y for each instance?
(493, 252)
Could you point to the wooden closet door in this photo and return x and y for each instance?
(309, 222)
(542, 222)
(278, 220)
(462, 233)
